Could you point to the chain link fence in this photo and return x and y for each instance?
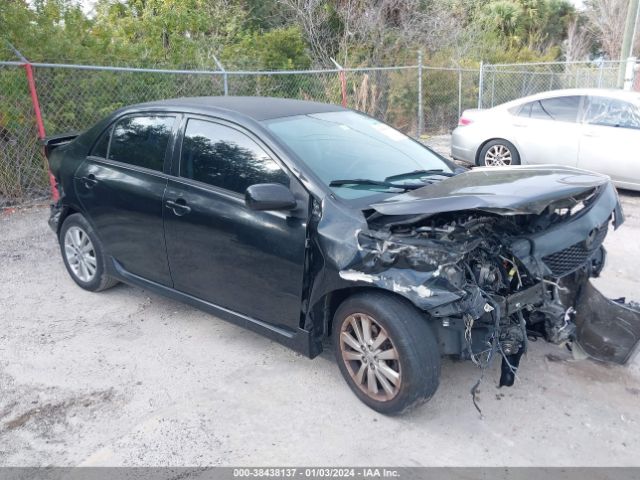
(75, 97)
(502, 83)
(417, 99)
(447, 92)
(23, 174)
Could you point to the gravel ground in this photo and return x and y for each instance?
(125, 377)
(439, 143)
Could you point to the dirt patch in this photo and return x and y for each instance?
(56, 413)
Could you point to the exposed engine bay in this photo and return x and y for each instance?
(506, 302)
(492, 280)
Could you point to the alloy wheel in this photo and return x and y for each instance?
(498, 156)
(80, 254)
(370, 357)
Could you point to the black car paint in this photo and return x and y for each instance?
(123, 204)
(284, 286)
(503, 191)
(248, 270)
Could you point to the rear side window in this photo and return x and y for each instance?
(562, 109)
(102, 145)
(612, 113)
(224, 157)
(141, 141)
(525, 110)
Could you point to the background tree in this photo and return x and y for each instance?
(300, 33)
(606, 20)
(579, 43)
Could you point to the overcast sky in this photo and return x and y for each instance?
(87, 5)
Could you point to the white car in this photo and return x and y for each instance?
(592, 129)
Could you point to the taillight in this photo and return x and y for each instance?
(464, 121)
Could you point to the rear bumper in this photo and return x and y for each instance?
(55, 216)
(463, 147)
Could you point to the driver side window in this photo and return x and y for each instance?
(224, 157)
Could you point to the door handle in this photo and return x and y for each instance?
(178, 206)
(89, 181)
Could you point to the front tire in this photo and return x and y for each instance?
(83, 254)
(386, 352)
(498, 153)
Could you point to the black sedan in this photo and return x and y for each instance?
(305, 221)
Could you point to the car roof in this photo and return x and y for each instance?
(257, 108)
(629, 96)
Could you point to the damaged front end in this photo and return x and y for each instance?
(501, 271)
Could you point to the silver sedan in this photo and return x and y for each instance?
(593, 129)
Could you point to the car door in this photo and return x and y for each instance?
(220, 251)
(121, 186)
(610, 143)
(547, 130)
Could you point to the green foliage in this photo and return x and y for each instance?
(277, 49)
(48, 29)
(526, 27)
(255, 35)
(263, 34)
(169, 33)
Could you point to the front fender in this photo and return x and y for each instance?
(425, 290)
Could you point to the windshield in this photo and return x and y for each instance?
(346, 145)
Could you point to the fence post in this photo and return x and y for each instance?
(459, 92)
(343, 82)
(480, 84)
(600, 73)
(629, 73)
(420, 107)
(224, 74)
(38, 116)
(633, 12)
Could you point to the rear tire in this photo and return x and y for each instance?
(396, 365)
(83, 254)
(498, 153)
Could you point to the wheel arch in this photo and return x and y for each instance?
(67, 211)
(324, 309)
(70, 206)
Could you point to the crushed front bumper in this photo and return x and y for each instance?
(606, 330)
(560, 251)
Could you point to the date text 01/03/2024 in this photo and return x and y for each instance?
(284, 472)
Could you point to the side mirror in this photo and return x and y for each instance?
(269, 196)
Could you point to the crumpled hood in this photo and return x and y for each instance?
(504, 190)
